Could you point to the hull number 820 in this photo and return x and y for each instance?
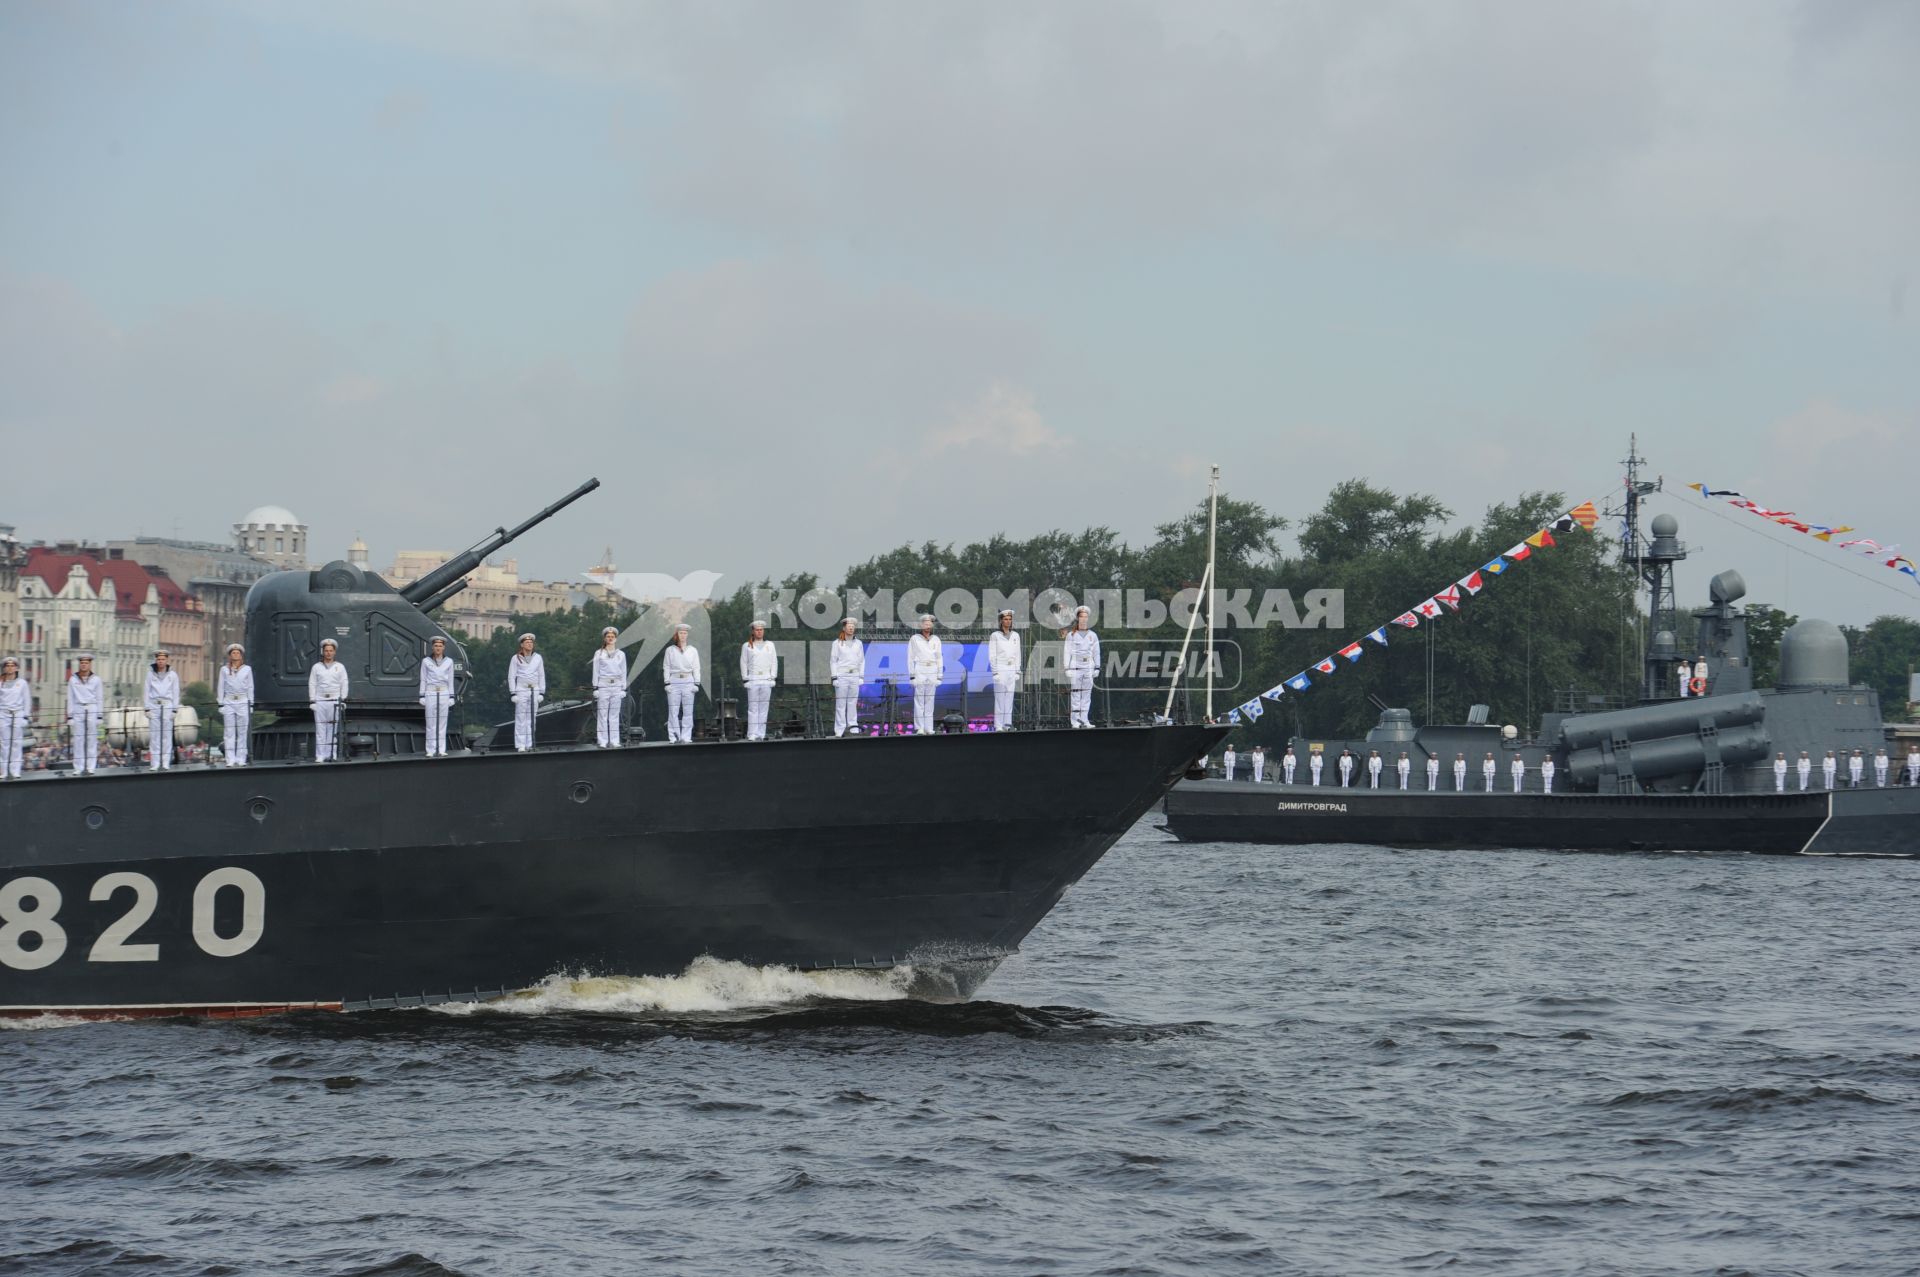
(31, 936)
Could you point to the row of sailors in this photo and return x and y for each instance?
(1375, 766)
(1856, 769)
(328, 685)
(1347, 765)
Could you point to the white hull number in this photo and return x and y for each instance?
(31, 936)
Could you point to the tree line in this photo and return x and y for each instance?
(1564, 620)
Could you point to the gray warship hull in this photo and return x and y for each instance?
(1862, 822)
(412, 881)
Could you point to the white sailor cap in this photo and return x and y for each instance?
(925, 617)
(1006, 611)
(161, 651)
(438, 638)
(327, 642)
(1083, 608)
(614, 630)
(9, 660)
(759, 623)
(83, 656)
(683, 626)
(235, 647)
(524, 637)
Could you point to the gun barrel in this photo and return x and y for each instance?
(459, 565)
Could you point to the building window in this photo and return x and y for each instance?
(26, 634)
(73, 634)
(279, 545)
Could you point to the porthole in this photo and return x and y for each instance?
(582, 791)
(258, 807)
(95, 817)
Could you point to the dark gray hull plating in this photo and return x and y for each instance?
(422, 880)
(1849, 822)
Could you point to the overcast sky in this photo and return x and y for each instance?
(799, 282)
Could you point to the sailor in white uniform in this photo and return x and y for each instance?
(680, 670)
(1083, 662)
(1259, 763)
(1287, 763)
(1913, 765)
(436, 695)
(1700, 676)
(1880, 764)
(1374, 766)
(1346, 768)
(527, 685)
(759, 667)
(86, 705)
(1685, 673)
(1856, 769)
(1404, 766)
(1316, 762)
(235, 693)
(1546, 774)
(1487, 770)
(16, 709)
(1779, 773)
(1829, 768)
(327, 696)
(161, 698)
(1227, 762)
(609, 672)
(1003, 662)
(1433, 772)
(1519, 770)
(847, 663)
(1805, 769)
(924, 665)
(1459, 773)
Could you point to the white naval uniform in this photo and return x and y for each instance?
(759, 667)
(1546, 775)
(436, 696)
(1805, 768)
(847, 663)
(1880, 770)
(326, 690)
(1003, 662)
(1433, 772)
(1779, 775)
(1315, 763)
(1259, 765)
(1913, 768)
(1404, 767)
(1287, 763)
(1083, 662)
(1685, 672)
(1829, 768)
(1226, 763)
(1487, 770)
(1519, 770)
(162, 701)
(527, 685)
(609, 670)
(1346, 770)
(1459, 774)
(235, 692)
(1375, 764)
(1856, 768)
(680, 670)
(1700, 672)
(86, 702)
(924, 664)
(16, 707)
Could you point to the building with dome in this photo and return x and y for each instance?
(273, 533)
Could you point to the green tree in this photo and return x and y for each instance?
(1765, 626)
(1884, 656)
(201, 698)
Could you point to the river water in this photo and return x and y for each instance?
(1210, 1059)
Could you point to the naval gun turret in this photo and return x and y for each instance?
(382, 634)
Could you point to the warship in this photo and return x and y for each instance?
(389, 878)
(1677, 769)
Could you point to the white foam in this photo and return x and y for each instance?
(708, 984)
(27, 1023)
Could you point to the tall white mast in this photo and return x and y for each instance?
(1213, 507)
